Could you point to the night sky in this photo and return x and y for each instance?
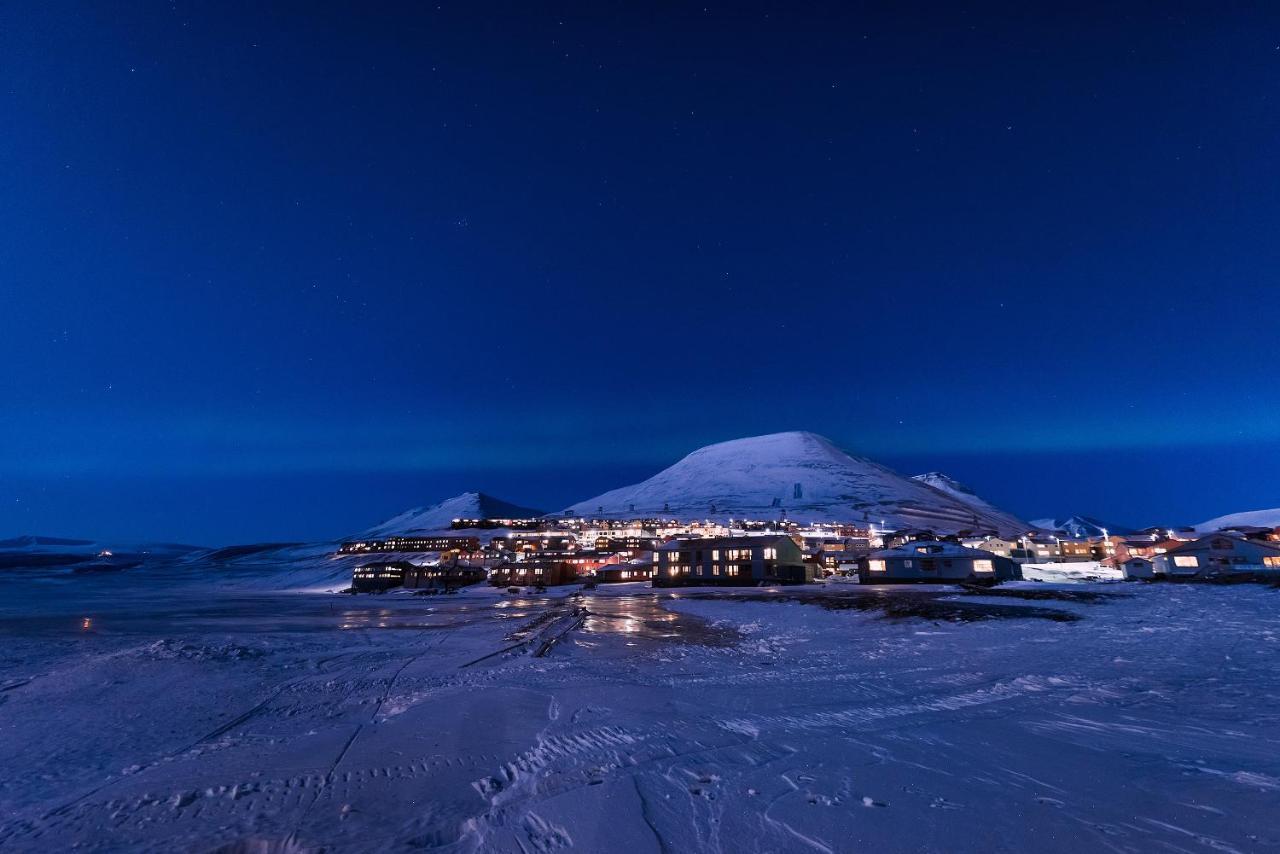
(279, 273)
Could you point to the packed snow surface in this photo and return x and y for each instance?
(160, 712)
(801, 474)
(1251, 518)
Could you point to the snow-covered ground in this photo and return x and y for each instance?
(154, 712)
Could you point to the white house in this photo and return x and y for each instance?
(1219, 554)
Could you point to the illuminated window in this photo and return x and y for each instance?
(730, 570)
(875, 565)
(1185, 560)
(1272, 561)
(770, 554)
(715, 554)
(983, 566)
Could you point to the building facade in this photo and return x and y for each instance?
(537, 573)
(1219, 554)
(731, 562)
(377, 577)
(932, 561)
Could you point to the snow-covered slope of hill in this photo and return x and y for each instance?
(955, 489)
(804, 475)
(1251, 518)
(1080, 526)
(438, 517)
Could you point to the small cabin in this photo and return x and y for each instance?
(927, 561)
(1136, 567)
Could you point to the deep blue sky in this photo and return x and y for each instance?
(280, 272)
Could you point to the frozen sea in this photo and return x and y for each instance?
(147, 712)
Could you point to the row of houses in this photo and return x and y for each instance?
(742, 561)
(769, 559)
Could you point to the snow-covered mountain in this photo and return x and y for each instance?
(801, 474)
(438, 517)
(1080, 526)
(1250, 518)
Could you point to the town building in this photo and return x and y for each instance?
(465, 545)
(931, 560)
(731, 562)
(1219, 554)
(1136, 567)
(533, 572)
(445, 575)
(377, 577)
(621, 572)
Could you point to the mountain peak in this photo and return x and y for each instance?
(799, 474)
(439, 517)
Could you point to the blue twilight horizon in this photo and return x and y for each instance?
(278, 272)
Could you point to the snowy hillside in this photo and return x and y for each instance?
(1080, 526)
(802, 474)
(438, 517)
(955, 489)
(1252, 518)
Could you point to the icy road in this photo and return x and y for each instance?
(175, 717)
